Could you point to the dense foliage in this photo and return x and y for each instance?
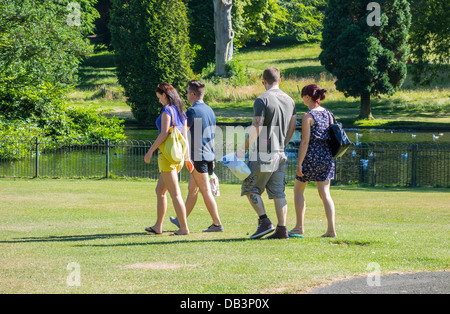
(201, 32)
(429, 39)
(41, 45)
(303, 19)
(151, 45)
(366, 60)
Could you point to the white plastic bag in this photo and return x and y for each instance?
(238, 167)
(214, 181)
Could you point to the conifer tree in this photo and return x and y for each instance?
(365, 49)
(151, 43)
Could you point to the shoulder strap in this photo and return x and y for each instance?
(331, 115)
(173, 118)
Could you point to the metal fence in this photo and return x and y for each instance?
(376, 164)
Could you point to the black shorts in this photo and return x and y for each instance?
(204, 166)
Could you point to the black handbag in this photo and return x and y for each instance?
(339, 142)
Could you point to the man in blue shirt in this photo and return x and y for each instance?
(201, 123)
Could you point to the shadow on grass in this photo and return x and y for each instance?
(71, 238)
(90, 237)
(169, 241)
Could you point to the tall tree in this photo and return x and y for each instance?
(224, 34)
(41, 44)
(367, 58)
(151, 43)
(201, 32)
(103, 35)
(238, 21)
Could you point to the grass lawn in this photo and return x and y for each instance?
(98, 224)
(411, 106)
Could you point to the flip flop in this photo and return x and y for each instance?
(150, 230)
(177, 234)
(295, 235)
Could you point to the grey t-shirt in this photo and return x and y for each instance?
(277, 108)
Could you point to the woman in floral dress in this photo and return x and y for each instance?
(315, 162)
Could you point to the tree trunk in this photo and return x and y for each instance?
(224, 34)
(366, 111)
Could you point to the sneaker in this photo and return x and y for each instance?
(280, 233)
(264, 227)
(174, 220)
(214, 228)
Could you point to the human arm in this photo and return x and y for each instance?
(259, 108)
(187, 157)
(253, 135)
(291, 130)
(165, 127)
(307, 121)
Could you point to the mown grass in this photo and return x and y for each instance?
(47, 224)
(300, 66)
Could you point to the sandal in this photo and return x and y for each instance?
(177, 234)
(150, 230)
(295, 235)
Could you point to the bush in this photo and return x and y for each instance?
(16, 137)
(39, 57)
(237, 74)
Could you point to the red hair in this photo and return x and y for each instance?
(315, 92)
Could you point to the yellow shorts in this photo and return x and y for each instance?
(165, 166)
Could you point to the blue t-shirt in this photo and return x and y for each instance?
(179, 120)
(202, 123)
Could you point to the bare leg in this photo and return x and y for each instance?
(300, 206)
(202, 181)
(325, 195)
(257, 203)
(171, 182)
(191, 199)
(161, 205)
(281, 209)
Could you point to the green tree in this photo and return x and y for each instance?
(38, 45)
(303, 19)
(256, 19)
(41, 44)
(151, 43)
(201, 32)
(366, 60)
(251, 19)
(429, 39)
(103, 35)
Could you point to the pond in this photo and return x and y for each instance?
(402, 164)
(377, 157)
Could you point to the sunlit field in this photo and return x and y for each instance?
(98, 226)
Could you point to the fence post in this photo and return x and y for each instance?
(107, 159)
(414, 150)
(36, 174)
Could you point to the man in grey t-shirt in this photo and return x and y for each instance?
(273, 125)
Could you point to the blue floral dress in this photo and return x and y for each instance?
(319, 164)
